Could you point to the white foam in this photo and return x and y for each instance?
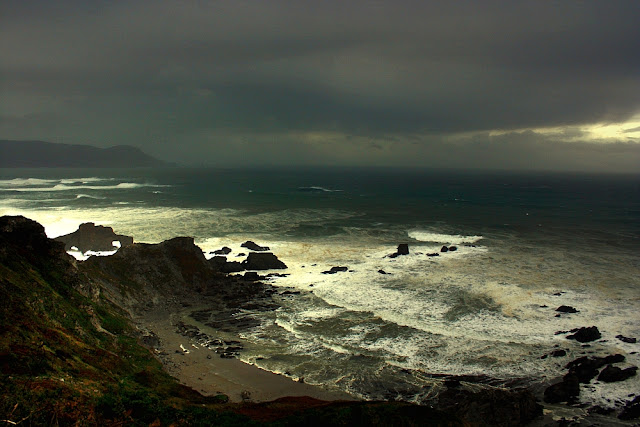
(452, 239)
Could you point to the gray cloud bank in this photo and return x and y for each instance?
(331, 82)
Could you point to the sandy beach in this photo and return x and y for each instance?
(205, 371)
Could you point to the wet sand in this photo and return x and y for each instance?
(203, 369)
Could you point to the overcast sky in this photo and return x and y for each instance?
(513, 84)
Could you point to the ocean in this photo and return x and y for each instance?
(526, 244)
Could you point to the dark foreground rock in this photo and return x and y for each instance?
(263, 261)
(220, 264)
(91, 237)
(491, 407)
(254, 247)
(631, 410)
(566, 390)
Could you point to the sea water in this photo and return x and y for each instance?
(526, 244)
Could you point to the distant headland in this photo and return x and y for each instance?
(42, 154)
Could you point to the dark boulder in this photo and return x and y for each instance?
(453, 248)
(444, 249)
(566, 309)
(335, 270)
(403, 249)
(558, 353)
(263, 261)
(224, 251)
(586, 368)
(626, 339)
(612, 374)
(433, 254)
(254, 247)
(382, 271)
(91, 237)
(566, 390)
(586, 334)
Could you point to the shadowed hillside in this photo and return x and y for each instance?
(37, 154)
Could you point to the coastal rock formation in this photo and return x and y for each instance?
(220, 264)
(91, 237)
(254, 247)
(444, 249)
(612, 374)
(262, 261)
(403, 249)
(141, 275)
(585, 334)
(224, 251)
(566, 390)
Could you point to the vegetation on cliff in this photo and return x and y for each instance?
(69, 355)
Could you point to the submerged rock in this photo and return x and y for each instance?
(335, 270)
(91, 237)
(626, 339)
(566, 309)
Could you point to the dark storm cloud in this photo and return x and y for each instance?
(158, 73)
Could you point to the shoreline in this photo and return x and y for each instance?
(206, 372)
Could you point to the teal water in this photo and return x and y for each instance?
(527, 243)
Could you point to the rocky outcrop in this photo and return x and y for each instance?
(224, 251)
(263, 261)
(586, 334)
(254, 247)
(403, 249)
(141, 275)
(221, 265)
(91, 237)
(612, 374)
(566, 390)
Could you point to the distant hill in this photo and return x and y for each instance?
(41, 154)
